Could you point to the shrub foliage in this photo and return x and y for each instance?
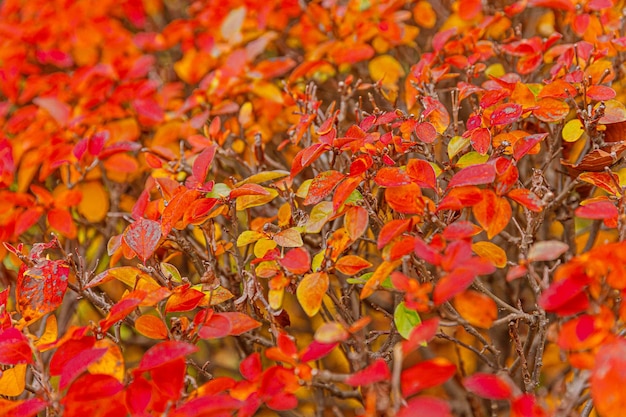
(360, 207)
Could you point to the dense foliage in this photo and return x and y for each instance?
(360, 207)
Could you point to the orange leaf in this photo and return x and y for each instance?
(62, 221)
(405, 199)
(391, 230)
(492, 212)
(151, 326)
(478, 309)
(322, 185)
(288, 238)
(377, 278)
(311, 290)
(356, 222)
(351, 264)
(608, 379)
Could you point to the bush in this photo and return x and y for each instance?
(316, 208)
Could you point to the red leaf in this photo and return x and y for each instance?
(215, 327)
(460, 230)
(426, 407)
(92, 387)
(426, 132)
(297, 261)
(426, 374)
(459, 198)
(474, 175)
(251, 368)
(79, 364)
(176, 209)
(239, 322)
(376, 372)
(183, 299)
(452, 284)
(122, 309)
(488, 386)
(248, 189)
(422, 333)
(317, 350)
(526, 198)
(422, 173)
(322, 185)
(343, 191)
(14, 348)
(505, 114)
(149, 109)
(522, 146)
(481, 140)
(25, 408)
(165, 352)
(203, 162)
(567, 295)
(600, 93)
(391, 177)
(61, 220)
(143, 237)
(169, 378)
(68, 351)
(41, 288)
(597, 210)
(470, 9)
(391, 230)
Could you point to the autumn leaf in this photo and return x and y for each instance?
(473, 175)
(493, 213)
(311, 291)
(143, 237)
(380, 274)
(376, 372)
(488, 386)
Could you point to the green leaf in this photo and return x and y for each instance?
(405, 319)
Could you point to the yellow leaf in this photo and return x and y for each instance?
(289, 238)
(129, 275)
(249, 236)
(573, 130)
(456, 145)
(249, 201)
(275, 298)
(490, 251)
(471, 158)
(13, 381)
(49, 334)
(111, 363)
(263, 177)
(262, 246)
(311, 290)
(268, 90)
(193, 66)
(330, 333)
(214, 296)
(377, 278)
(387, 69)
(94, 205)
